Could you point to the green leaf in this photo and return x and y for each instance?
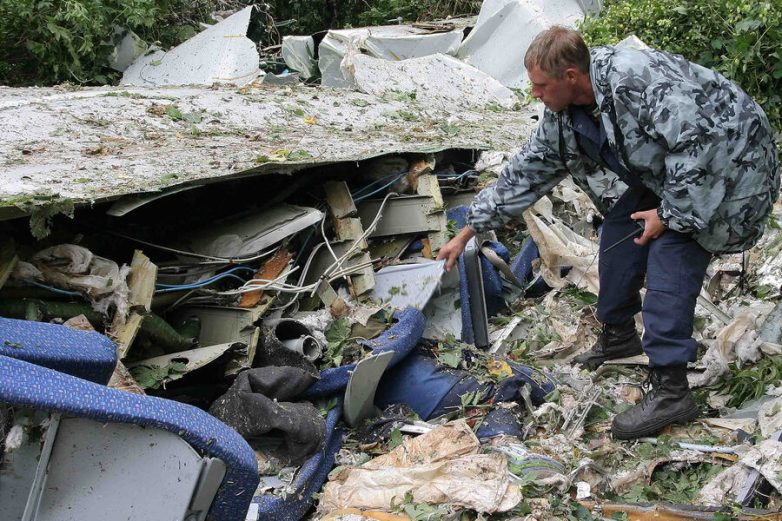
(173, 112)
(747, 25)
(192, 117)
(395, 439)
(450, 357)
(449, 130)
(298, 155)
(153, 377)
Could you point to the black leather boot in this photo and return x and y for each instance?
(615, 341)
(669, 401)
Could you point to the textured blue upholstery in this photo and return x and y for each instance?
(85, 354)
(27, 385)
(401, 338)
(522, 264)
(309, 479)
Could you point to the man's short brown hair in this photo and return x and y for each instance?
(556, 49)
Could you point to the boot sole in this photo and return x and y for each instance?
(595, 362)
(683, 417)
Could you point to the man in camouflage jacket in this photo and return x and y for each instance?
(657, 140)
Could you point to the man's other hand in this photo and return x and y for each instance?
(453, 248)
(653, 226)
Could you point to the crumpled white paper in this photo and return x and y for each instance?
(439, 467)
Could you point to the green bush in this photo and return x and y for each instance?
(52, 41)
(741, 39)
(383, 11)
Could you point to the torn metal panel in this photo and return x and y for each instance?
(503, 338)
(348, 228)
(299, 55)
(428, 186)
(443, 313)
(133, 202)
(221, 54)
(62, 148)
(359, 401)
(194, 358)
(127, 49)
(504, 30)
(323, 259)
(340, 201)
(408, 285)
(223, 325)
(392, 42)
(401, 215)
(437, 81)
(247, 235)
(765, 464)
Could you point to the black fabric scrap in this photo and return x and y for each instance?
(260, 402)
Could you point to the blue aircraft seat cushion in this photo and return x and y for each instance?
(85, 354)
(27, 385)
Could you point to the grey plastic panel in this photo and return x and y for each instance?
(115, 471)
(21, 471)
(474, 272)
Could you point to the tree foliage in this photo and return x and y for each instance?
(51, 41)
(741, 39)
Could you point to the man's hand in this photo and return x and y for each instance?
(653, 226)
(451, 251)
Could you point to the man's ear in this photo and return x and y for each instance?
(571, 75)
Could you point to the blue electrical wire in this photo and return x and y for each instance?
(372, 183)
(165, 288)
(397, 178)
(450, 177)
(200, 284)
(55, 290)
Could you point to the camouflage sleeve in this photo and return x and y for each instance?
(530, 174)
(677, 116)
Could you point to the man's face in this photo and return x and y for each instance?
(555, 93)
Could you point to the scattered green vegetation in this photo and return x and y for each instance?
(673, 484)
(337, 336)
(419, 511)
(449, 356)
(739, 38)
(750, 383)
(580, 297)
(154, 377)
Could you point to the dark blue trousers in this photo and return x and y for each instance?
(673, 265)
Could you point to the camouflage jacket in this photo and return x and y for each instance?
(692, 137)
